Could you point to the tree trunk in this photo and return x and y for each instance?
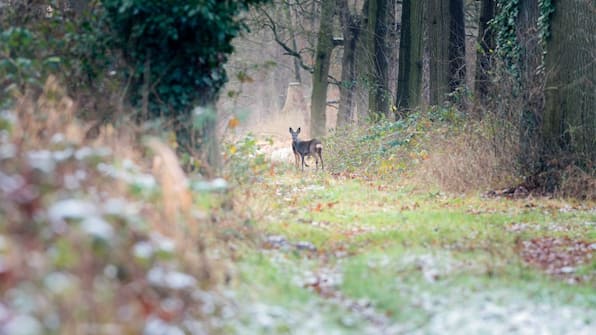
(363, 59)
(377, 24)
(409, 79)
(486, 45)
(531, 80)
(289, 17)
(321, 71)
(447, 48)
(351, 27)
(569, 124)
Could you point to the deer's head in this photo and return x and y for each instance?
(295, 134)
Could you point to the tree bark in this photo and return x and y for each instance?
(318, 117)
(569, 124)
(531, 80)
(409, 80)
(351, 27)
(447, 48)
(363, 59)
(289, 17)
(486, 45)
(379, 96)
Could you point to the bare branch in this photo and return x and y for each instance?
(272, 25)
(288, 51)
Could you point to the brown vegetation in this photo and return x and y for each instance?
(87, 227)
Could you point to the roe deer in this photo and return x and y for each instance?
(306, 148)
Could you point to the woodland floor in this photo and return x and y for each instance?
(282, 251)
(346, 254)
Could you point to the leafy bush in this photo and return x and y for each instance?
(75, 49)
(176, 51)
(27, 59)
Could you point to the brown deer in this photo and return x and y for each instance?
(306, 148)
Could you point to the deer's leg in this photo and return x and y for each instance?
(305, 156)
(320, 154)
(303, 162)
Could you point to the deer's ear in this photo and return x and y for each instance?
(298, 131)
(290, 129)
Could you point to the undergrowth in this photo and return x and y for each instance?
(439, 147)
(104, 236)
(386, 148)
(447, 149)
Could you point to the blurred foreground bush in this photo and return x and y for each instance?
(90, 240)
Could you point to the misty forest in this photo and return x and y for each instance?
(297, 167)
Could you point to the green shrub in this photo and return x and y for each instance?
(175, 51)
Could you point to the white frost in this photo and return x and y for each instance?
(176, 280)
(157, 326)
(22, 325)
(98, 227)
(71, 209)
(143, 250)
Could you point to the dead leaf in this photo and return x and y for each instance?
(233, 123)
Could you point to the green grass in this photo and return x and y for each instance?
(271, 300)
(404, 282)
(422, 259)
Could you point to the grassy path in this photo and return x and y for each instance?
(348, 255)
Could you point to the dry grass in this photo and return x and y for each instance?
(577, 183)
(467, 161)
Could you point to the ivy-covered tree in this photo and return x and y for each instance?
(175, 51)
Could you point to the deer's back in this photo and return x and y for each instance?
(307, 147)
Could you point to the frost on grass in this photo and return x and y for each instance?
(432, 266)
(441, 304)
(309, 318)
(156, 326)
(506, 311)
